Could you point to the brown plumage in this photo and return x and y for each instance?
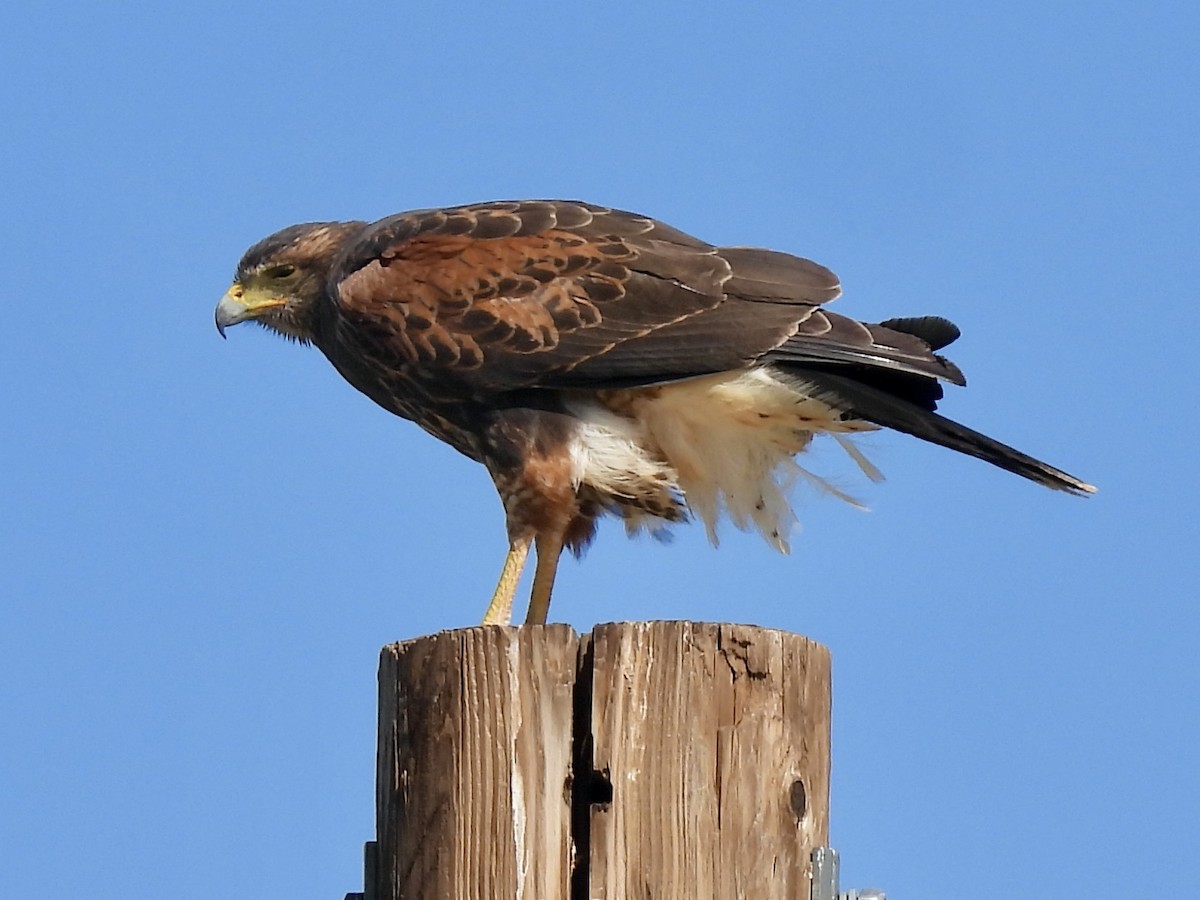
(598, 361)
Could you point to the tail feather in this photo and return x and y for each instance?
(874, 405)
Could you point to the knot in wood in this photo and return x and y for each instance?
(798, 799)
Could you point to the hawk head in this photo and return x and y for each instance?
(280, 279)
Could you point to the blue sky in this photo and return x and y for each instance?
(206, 542)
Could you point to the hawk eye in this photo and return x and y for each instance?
(284, 271)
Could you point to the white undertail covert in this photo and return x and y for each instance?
(724, 444)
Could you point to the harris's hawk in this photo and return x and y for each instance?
(597, 361)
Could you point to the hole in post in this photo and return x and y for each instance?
(600, 789)
(798, 799)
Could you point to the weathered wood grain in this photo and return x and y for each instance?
(716, 741)
(473, 764)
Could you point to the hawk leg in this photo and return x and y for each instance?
(532, 455)
(549, 549)
(499, 611)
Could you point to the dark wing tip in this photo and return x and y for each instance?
(933, 330)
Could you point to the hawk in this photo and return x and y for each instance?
(601, 362)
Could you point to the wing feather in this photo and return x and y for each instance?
(552, 294)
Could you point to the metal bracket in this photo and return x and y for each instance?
(825, 870)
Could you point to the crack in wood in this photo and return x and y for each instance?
(739, 654)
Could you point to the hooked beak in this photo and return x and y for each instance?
(236, 307)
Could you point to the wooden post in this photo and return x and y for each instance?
(665, 760)
(473, 763)
(716, 740)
